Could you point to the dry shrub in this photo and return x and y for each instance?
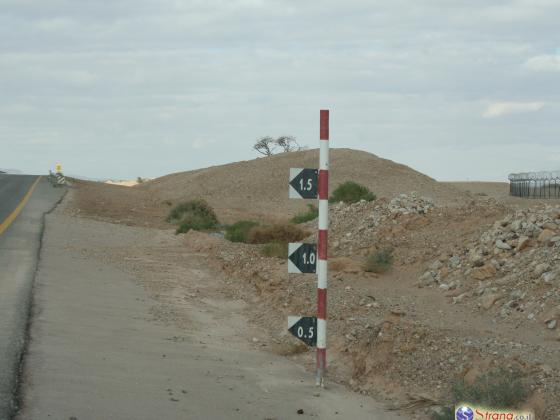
(239, 231)
(193, 214)
(282, 233)
(379, 262)
(275, 249)
(311, 214)
(499, 388)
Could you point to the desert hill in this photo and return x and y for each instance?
(259, 187)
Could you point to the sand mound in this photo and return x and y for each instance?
(259, 187)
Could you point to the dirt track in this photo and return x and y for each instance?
(130, 324)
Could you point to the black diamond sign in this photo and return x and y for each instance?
(304, 328)
(302, 258)
(303, 183)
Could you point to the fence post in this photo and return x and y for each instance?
(322, 244)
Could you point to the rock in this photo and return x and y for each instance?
(546, 235)
(502, 245)
(548, 277)
(516, 225)
(550, 226)
(551, 315)
(460, 298)
(551, 324)
(478, 263)
(436, 265)
(485, 272)
(454, 261)
(517, 294)
(427, 278)
(540, 269)
(522, 243)
(535, 231)
(410, 204)
(488, 301)
(443, 273)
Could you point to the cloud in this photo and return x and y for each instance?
(500, 109)
(544, 63)
(106, 81)
(202, 143)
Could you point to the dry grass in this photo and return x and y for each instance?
(282, 233)
(276, 249)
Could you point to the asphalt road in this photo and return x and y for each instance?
(23, 202)
(12, 190)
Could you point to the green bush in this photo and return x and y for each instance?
(379, 262)
(311, 214)
(351, 192)
(276, 249)
(239, 231)
(282, 233)
(192, 214)
(500, 388)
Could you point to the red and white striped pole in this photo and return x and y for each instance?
(322, 272)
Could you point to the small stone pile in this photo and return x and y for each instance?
(514, 268)
(410, 204)
(354, 226)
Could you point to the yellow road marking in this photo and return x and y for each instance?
(10, 219)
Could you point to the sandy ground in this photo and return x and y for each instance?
(388, 337)
(257, 189)
(498, 191)
(111, 339)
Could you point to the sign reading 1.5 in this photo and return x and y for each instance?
(303, 183)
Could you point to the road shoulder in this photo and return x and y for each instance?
(121, 333)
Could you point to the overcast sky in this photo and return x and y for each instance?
(124, 88)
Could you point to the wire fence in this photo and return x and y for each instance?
(535, 184)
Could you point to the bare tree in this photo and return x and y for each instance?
(288, 143)
(265, 145)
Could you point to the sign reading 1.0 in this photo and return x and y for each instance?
(302, 258)
(303, 183)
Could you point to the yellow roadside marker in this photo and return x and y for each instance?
(10, 219)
